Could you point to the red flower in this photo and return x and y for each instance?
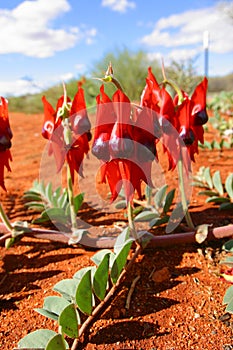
(119, 141)
(180, 122)
(191, 116)
(5, 140)
(53, 130)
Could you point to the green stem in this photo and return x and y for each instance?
(68, 142)
(71, 200)
(183, 196)
(5, 219)
(132, 228)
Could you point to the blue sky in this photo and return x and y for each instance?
(46, 41)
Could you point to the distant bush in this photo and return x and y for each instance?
(130, 68)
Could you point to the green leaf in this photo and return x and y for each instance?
(120, 261)
(146, 215)
(159, 221)
(228, 246)
(159, 196)
(226, 206)
(98, 257)
(121, 239)
(208, 145)
(207, 177)
(32, 196)
(69, 320)
(83, 295)
(216, 145)
(100, 280)
(216, 199)
(55, 214)
(39, 207)
(53, 306)
(207, 193)
(80, 273)
(77, 236)
(228, 261)
(62, 200)
(228, 299)
(58, 343)
(229, 185)
(49, 192)
(67, 288)
(121, 204)
(37, 339)
(217, 182)
(168, 201)
(78, 200)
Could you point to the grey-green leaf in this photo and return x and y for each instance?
(37, 339)
(67, 288)
(98, 257)
(121, 239)
(160, 196)
(69, 320)
(53, 306)
(229, 185)
(57, 342)
(217, 182)
(146, 215)
(100, 280)
(159, 221)
(207, 177)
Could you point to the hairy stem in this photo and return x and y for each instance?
(5, 219)
(68, 142)
(132, 228)
(183, 195)
(101, 307)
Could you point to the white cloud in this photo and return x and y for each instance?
(119, 5)
(186, 29)
(19, 87)
(27, 29)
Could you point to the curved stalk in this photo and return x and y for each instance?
(183, 195)
(68, 142)
(5, 219)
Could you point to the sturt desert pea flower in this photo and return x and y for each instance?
(75, 114)
(181, 119)
(191, 115)
(115, 144)
(5, 140)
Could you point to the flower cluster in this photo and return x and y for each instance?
(124, 144)
(69, 117)
(125, 141)
(5, 140)
(181, 119)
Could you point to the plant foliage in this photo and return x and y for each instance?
(213, 187)
(78, 296)
(53, 205)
